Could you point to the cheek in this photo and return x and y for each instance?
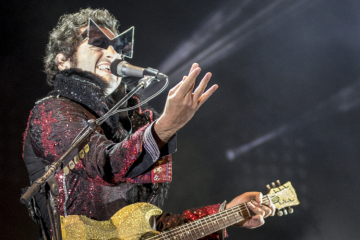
(87, 59)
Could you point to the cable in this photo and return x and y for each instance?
(102, 119)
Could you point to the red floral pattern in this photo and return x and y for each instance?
(44, 121)
(168, 221)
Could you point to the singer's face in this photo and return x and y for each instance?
(96, 59)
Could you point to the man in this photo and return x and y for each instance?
(127, 159)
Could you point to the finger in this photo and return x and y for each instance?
(256, 221)
(267, 211)
(177, 85)
(195, 65)
(202, 86)
(206, 95)
(256, 210)
(259, 197)
(190, 92)
(273, 209)
(188, 82)
(271, 206)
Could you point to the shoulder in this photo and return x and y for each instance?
(56, 109)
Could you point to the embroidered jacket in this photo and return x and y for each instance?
(120, 165)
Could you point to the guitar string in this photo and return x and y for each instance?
(195, 229)
(205, 221)
(200, 222)
(199, 228)
(192, 230)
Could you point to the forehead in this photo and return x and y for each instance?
(108, 33)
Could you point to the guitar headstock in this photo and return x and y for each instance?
(283, 196)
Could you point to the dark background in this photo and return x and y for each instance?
(289, 87)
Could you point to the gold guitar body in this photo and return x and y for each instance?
(129, 223)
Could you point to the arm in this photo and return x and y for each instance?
(55, 123)
(168, 221)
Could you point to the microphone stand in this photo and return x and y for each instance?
(79, 142)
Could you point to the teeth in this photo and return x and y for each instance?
(104, 67)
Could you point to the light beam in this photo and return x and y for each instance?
(209, 44)
(345, 100)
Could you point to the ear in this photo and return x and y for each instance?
(61, 62)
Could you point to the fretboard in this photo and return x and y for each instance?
(210, 224)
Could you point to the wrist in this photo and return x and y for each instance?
(159, 141)
(163, 130)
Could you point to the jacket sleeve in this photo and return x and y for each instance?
(55, 123)
(167, 221)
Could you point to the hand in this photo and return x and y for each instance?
(182, 103)
(261, 211)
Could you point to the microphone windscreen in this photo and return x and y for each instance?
(113, 67)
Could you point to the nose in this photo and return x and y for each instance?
(110, 52)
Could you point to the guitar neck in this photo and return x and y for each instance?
(212, 223)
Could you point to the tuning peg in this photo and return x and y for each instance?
(279, 213)
(291, 210)
(268, 187)
(273, 184)
(285, 212)
(278, 182)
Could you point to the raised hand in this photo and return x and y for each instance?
(182, 103)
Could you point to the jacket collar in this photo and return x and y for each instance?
(86, 89)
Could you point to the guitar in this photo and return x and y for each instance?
(132, 222)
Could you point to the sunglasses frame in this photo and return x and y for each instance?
(86, 35)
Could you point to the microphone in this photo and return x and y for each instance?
(122, 68)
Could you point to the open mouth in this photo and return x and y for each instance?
(104, 67)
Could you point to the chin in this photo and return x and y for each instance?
(105, 77)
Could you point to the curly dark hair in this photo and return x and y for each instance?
(64, 38)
